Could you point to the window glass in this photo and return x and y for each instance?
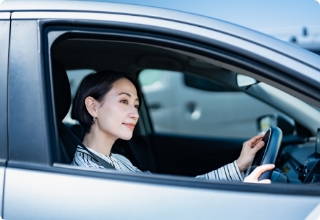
(187, 104)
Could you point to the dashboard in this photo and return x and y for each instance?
(301, 162)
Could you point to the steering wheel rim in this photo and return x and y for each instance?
(268, 154)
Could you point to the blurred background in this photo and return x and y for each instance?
(296, 21)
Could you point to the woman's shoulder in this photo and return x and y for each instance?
(83, 159)
(121, 158)
(126, 163)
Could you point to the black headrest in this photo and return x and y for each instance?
(61, 87)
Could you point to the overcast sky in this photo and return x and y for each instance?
(254, 14)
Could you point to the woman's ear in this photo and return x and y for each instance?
(91, 105)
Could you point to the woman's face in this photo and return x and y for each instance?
(117, 114)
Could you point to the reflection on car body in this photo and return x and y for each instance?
(36, 176)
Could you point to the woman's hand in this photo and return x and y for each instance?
(249, 150)
(253, 177)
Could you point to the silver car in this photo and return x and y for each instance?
(43, 43)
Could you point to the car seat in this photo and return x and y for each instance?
(62, 96)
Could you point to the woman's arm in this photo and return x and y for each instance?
(228, 172)
(234, 171)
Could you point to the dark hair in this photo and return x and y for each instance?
(97, 85)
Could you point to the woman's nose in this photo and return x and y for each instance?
(134, 114)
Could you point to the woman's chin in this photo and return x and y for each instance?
(126, 137)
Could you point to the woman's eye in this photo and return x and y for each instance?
(136, 106)
(124, 101)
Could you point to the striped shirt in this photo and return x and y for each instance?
(82, 158)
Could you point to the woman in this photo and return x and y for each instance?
(107, 104)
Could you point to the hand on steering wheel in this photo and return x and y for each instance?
(268, 154)
(249, 150)
(254, 176)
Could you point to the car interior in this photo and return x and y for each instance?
(171, 153)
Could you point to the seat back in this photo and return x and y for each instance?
(62, 97)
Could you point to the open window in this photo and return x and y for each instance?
(190, 104)
(193, 106)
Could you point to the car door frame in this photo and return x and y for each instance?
(4, 52)
(35, 163)
(47, 157)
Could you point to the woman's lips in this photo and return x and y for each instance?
(129, 125)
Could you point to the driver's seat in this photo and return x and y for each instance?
(62, 96)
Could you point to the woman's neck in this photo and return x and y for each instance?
(98, 141)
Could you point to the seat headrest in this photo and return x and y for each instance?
(61, 87)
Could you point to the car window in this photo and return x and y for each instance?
(201, 101)
(187, 104)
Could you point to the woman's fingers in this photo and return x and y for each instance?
(258, 146)
(253, 177)
(255, 139)
(249, 149)
(260, 169)
(266, 181)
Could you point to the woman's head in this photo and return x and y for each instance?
(109, 102)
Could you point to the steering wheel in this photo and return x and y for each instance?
(267, 154)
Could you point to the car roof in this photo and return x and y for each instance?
(247, 34)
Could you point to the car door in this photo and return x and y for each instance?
(40, 187)
(4, 40)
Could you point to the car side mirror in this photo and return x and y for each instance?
(286, 124)
(245, 80)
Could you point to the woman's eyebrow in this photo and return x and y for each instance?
(128, 94)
